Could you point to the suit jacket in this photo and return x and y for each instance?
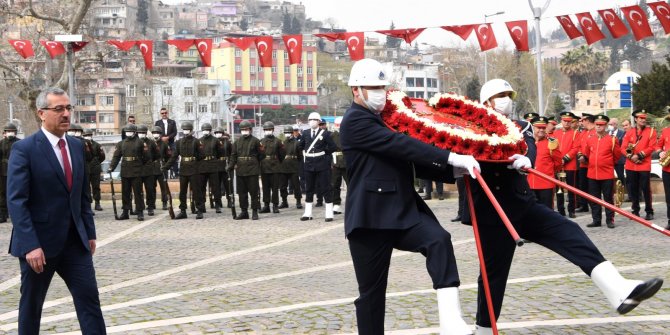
(324, 144)
(171, 131)
(40, 205)
(381, 165)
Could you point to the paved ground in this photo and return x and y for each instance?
(280, 275)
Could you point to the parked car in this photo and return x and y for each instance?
(116, 174)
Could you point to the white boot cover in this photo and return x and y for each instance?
(449, 306)
(479, 330)
(329, 210)
(308, 210)
(615, 287)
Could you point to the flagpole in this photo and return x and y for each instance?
(537, 13)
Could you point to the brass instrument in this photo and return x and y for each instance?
(563, 177)
(619, 193)
(665, 160)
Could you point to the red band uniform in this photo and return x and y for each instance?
(637, 146)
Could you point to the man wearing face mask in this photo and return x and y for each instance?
(211, 150)
(614, 131)
(245, 161)
(537, 223)
(222, 137)
(317, 146)
(132, 155)
(95, 167)
(289, 169)
(188, 148)
(273, 155)
(164, 153)
(384, 212)
(6, 143)
(148, 179)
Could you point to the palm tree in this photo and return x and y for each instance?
(582, 65)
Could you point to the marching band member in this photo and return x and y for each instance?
(663, 146)
(587, 131)
(547, 161)
(568, 140)
(637, 145)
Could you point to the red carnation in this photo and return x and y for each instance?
(479, 148)
(453, 142)
(407, 102)
(441, 139)
(429, 134)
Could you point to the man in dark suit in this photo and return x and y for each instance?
(51, 213)
(383, 209)
(168, 135)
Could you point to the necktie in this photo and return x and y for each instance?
(313, 133)
(66, 164)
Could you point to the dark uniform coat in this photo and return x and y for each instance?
(211, 150)
(247, 155)
(188, 148)
(5, 150)
(338, 159)
(324, 144)
(273, 154)
(291, 162)
(132, 151)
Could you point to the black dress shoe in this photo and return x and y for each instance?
(150, 212)
(244, 215)
(440, 197)
(140, 216)
(610, 224)
(199, 215)
(165, 206)
(594, 224)
(572, 215)
(649, 216)
(642, 292)
(426, 197)
(132, 212)
(329, 219)
(181, 215)
(635, 213)
(562, 213)
(3, 219)
(124, 216)
(298, 205)
(283, 204)
(218, 208)
(305, 218)
(456, 219)
(254, 214)
(98, 207)
(318, 204)
(265, 209)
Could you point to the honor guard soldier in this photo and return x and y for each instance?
(568, 141)
(188, 148)
(319, 196)
(289, 170)
(547, 161)
(211, 150)
(663, 145)
(317, 146)
(339, 167)
(273, 155)
(602, 152)
(9, 134)
(148, 174)
(245, 161)
(95, 166)
(637, 145)
(131, 152)
(224, 139)
(164, 153)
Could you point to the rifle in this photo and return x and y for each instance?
(211, 196)
(111, 183)
(232, 192)
(169, 195)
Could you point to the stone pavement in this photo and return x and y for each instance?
(279, 275)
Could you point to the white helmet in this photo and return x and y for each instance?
(314, 116)
(367, 72)
(493, 87)
(338, 121)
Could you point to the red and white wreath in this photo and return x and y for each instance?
(453, 122)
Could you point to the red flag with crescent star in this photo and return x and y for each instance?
(589, 28)
(662, 11)
(408, 35)
(204, 46)
(519, 32)
(182, 45)
(613, 23)
(293, 45)
(243, 43)
(485, 36)
(23, 48)
(147, 50)
(569, 27)
(462, 31)
(331, 36)
(53, 48)
(355, 44)
(77, 46)
(638, 22)
(264, 48)
(122, 45)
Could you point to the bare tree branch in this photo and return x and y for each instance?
(37, 15)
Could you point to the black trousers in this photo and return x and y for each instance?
(211, 181)
(620, 173)
(338, 175)
(270, 188)
(571, 179)
(160, 179)
(225, 184)
(545, 197)
(583, 185)
(318, 181)
(94, 180)
(3, 196)
(541, 225)
(439, 187)
(602, 189)
(75, 265)
(639, 181)
(666, 188)
(294, 180)
(371, 254)
(196, 193)
(462, 199)
(133, 184)
(149, 183)
(247, 187)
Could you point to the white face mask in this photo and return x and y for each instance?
(376, 99)
(205, 132)
(156, 136)
(11, 134)
(288, 135)
(141, 135)
(129, 134)
(268, 132)
(77, 133)
(610, 128)
(503, 105)
(70, 132)
(218, 135)
(88, 137)
(186, 132)
(245, 132)
(313, 124)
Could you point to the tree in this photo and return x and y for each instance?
(296, 26)
(143, 15)
(286, 24)
(472, 88)
(652, 90)
(583, 66)
(392, 42)
(244, 24)
(556, 107)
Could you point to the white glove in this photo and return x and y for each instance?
(463, 162)
(520, 162)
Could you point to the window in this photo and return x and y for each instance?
(309, 70)
(588, 102)
(287, 69)
(274, 84)
(167, 90)
(287, 83)
(274, 69)
(202, 109)
(146, 109)
(309, 84)
(260, 70)
(213, 92)
(106, 117)
(299, 83)
(274, 54)
(202, 91)
(106, 100)
(252, 69)
(147, 92)
(238, 68)
(130, 109)
(299, 70)
(419, 83)
(87, 117)
(188, 91)
(191, 53)
(81, 102)
(215, 107)
(238, 53)
(131, 91)
(285, 55)
(309, 56)
(260, 83)
(188, 107)
(252, 82)
(409, 82)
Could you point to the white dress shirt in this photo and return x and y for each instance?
(53, 139)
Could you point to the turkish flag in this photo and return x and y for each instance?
(23, 47)
(53, 48)
(569, 27)
(331, 36)
(408, 35)
(591, 31)
(519, 32)
(264, 47)
(662, 11)
(182, 45)
(147, 50)
(638, 22)
(614, 24)
(243, 43)
(204, 46)
(293, 45)
(77, 46)
(485, 36)
(355, 44)
(122, 45)
(462, 31)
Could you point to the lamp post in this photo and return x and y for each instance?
(486, 74)
(68, 39)
(537, 13)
